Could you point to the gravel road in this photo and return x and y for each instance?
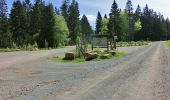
(142, 75)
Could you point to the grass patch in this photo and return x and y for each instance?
(132, 43)
(111, 57)
(62, 60)
(82, 60)
(8, 50)
(167, 44)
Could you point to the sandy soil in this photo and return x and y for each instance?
(142, 75)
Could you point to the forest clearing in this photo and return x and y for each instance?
(60, 50)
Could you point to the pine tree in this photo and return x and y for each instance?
(137, 13)
(64, 10)
(129, 7)
(36, 20)
(47, 29)
(98, 23)
(74, 22)
(129, 11)
(114, 21)
(86, 28)
(57, 11)
(105, 16)
(4, 25)
(18, 25)
(28, 8)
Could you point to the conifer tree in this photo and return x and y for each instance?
(105, 16)
(47, 29)
(74, 22)
(4, 25)
(28, 8)
(86, 28)
(114, 21)
(129, 11)
(36, 20)
(98, 23)
(64, 9)
(18, 25)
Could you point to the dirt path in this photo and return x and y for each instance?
(142, 75)
(14, 58)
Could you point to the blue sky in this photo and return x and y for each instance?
(91, 7)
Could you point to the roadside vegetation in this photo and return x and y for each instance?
(127, 44)
(167, 44)
(101, 56)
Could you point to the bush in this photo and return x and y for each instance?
(132, 43)
(14, 46)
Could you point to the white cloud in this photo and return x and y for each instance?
(91, 18)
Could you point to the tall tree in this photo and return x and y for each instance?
(98, 23)
(64, 9)
(74, 22)
(86, 28)
(28, 8)
(114, 21)
(36, 20)
(129, 7)
(104, 26)
(60, 31)
(4, 25)
(129, 11)
(18, 20)
(105, 16)
(138, 13)
(47, 29)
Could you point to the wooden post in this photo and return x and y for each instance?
(107, 45)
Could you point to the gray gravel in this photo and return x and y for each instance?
(142, 75)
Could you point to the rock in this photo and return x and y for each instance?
(105, 56)
(91, 56)
(69, 56)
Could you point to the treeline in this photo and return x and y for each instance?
(41, 24)
(134, 25)
(47, 26)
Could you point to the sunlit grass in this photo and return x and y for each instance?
(167, 43)
(82, 60)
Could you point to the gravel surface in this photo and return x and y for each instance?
(142, 75)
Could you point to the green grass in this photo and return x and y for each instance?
(111, 57)
(8, 50)
(82, 60)
(132, 43)
(61, 59)
(167, 44)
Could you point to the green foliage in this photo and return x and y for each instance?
(104, 26)
(124, 26)
(47, 30)
(98, 23)
(132, 43)
(138, 25)
(86, 29)
(74, 22)
(100, 58)
(18, 24)
(64, 10)
(167, 43)
(115, 21)
(5, 35)
(14, 46)
(60, 31)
